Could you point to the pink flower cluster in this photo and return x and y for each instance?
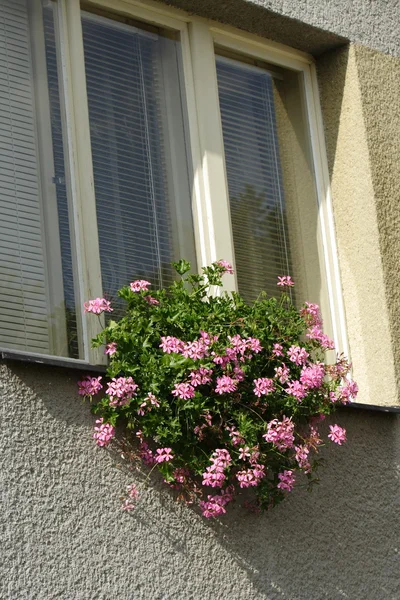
(280, 433)
(103, 433)
(111, 348)
(296, 389)
(149, 402)
(184, 391)
(337, 434)
(347, 392)
(226, 266)
(200, 376)
(263, 386)
(297, 355)
(98, 306)
(214, 475)
(287, 480)
(150, 300)
(277, 350)
(285, 281)
(225, 385)
(89, 386)
(164, 455)
(302, 457)
(215, 505)
(311, 313)
(313, 376)
(140, 285)
(121, 390)
(235, 436)
(251, 477)
(282, 373)
(316, 334)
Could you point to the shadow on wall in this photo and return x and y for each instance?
(341, 541)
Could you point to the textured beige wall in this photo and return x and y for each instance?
(360, 102)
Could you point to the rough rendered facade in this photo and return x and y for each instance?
(63, 534)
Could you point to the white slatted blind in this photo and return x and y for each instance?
(254, 176)
(129, 122)
(23, 295)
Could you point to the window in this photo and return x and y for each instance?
(134, 136)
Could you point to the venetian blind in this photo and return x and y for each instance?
(23, 294)
(254, 176)
(129, 125)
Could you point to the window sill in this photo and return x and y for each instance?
(7, 355)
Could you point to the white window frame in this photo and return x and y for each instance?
(210, 200)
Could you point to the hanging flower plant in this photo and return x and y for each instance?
(221, 395)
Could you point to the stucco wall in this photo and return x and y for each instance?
(65, 537)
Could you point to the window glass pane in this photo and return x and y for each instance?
(138, 152)
(35, 313)
(256, 195)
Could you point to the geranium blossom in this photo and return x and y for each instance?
(297, 355)
(164, 455)
(183, 391)
(244, 453)
(287, 480)
(316, 334)
(111, 348)
(98, 306)
(140, 285)
(296, 389)
(226, 266)
(121, 390)
(214, 474)
(285, 281)
(280, 433)
(277, 350)
(89, 386)
(171, 344)
(215, 505)
(200, 376)
(312, 376)
(337, 434)
(103, 432)
(312, 314)
(263, 386)
(225, 385)
(282, 373)
(151, 300)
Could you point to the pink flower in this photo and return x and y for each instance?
(296, 389)
(111, 348)
(103, 433)
(151, 300)
(348, 392)
(250, 477)
(297, 355)
(280, 433)
(97, 306)
(312, 376)
(254, 345)
(164, 455)
(301, 457)
(89, 386)
(277, 350)
(263, 386)
(201, 376)
(315, 333)
(216, 504)
(244, 453)
(337, 434)
(127, 505)
(148, 404)
(171, 344)
(226, 266)
(121, 390)
(285, 281)
(282, 373)
(183, 391)
(140, 285)
(287, 480)
(195, 350)
(311, 313)
(235, 436)
(225, 385)
(214, 475)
